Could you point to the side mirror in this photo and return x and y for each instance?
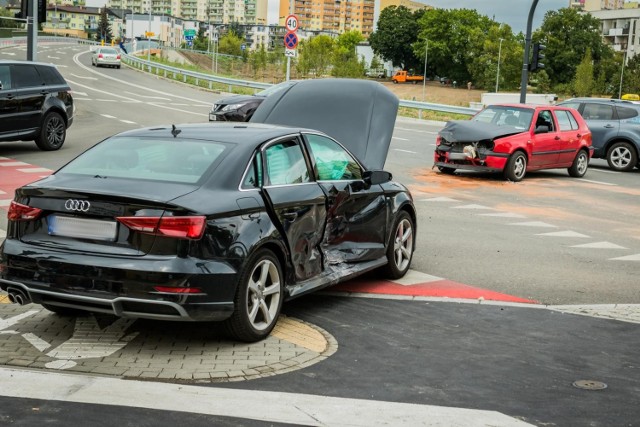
(376, 177)
(542, 129)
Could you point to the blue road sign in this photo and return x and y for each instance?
(291, 40)
(243, 46)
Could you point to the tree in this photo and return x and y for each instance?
(230, 44)
(567, 34)
(483, 67)
(396, 32)
(630, 76)
(258, 60)
(583, 82)
(8, 23)
(201, 42)
(456, 38)
(315, 55)
(345, 59)
(104, 28)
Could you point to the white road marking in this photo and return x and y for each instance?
(34, 170)
(415, 277)
(36, 341)
(596, 182)
(603, 171)
(2, 192)
(148, 96)
(635, 257)
(268, 406)
(8, 53)
(53, 57)
(5, 202)
(128, 122)
(14, 164)
(567, 233)
(108, 116)
(79, 93)
(504, 215)
(400, 139)
(106, 100)
(599, 245)
(480, 207)
(534, 224)
(405, 151)
(6, 323)
(84, 77)
(439, 199)
(83, 99)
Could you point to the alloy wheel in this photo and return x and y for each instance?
(403, 244)
(263, 296)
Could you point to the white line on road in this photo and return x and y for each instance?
(148, 96)
(596, 182)
(106, 100)
(603, 170)
(128, 122)
(8, 53)
(269, 406)
(401, 139)
(108, 116)
(84, 77)
(405, 151)
(79, 93)
(53, 57)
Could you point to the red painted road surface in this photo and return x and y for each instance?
(14, 174)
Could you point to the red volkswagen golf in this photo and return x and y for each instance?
(514, 139)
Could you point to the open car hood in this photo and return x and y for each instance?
(469, 131)
(360, 114)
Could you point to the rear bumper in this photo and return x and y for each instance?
(124, 287)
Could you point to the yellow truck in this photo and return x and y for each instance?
(402, 76)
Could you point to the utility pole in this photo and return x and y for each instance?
(32, 31)
(525, 61)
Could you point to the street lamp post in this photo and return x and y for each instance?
(149, 38)
(426, 58)
(624, 54)
(498, 73)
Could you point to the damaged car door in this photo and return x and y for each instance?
(298, 203)
(356, 212)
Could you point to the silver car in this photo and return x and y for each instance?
(107, 56)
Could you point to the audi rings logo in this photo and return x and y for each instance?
(77, 205)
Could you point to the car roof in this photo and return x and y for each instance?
(14, 62)
(600, 100)
(529, 106)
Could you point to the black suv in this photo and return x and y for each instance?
(35, 104)
(615, 129)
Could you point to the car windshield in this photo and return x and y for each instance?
(517, 117)
(155, 159)
(276, 88)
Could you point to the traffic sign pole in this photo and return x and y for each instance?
(291, 24)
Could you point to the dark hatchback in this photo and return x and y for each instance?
(240, 108)
(216, 222)
(35, 104)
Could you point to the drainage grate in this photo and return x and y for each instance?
(589, 385)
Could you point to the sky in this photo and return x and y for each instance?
(512, 12)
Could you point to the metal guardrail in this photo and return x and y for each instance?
(165, 70)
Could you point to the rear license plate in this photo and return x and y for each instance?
(82, 228)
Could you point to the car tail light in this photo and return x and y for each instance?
(100, 55)
(182, 227)
(20, 212)
(118, 57)
(174, 290)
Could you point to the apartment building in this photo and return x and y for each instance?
(593, 5)
(409, 4)
(217, 11)
(72, 21)
(620, 29)
(334, 16)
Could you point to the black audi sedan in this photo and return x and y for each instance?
(220, 221)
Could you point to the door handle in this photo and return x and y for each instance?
(609, 126)
(579, 136)
(557, 138)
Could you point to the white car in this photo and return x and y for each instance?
(108, 56)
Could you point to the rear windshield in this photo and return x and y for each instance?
(152, 159)
(505, 116)
(109, 51)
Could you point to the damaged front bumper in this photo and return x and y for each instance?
(469, 156)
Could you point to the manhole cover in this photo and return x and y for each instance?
(589, 385)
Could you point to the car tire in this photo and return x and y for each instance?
(516, 167)
(52, 132)
(400, 247)
(622, 157)
(64, 311)
(580, 165)
(257, 305)
(395, 82)
(118, 67)
(446, 170)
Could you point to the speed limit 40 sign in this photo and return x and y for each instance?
(291, 23)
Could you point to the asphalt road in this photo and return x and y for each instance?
(433, 357)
